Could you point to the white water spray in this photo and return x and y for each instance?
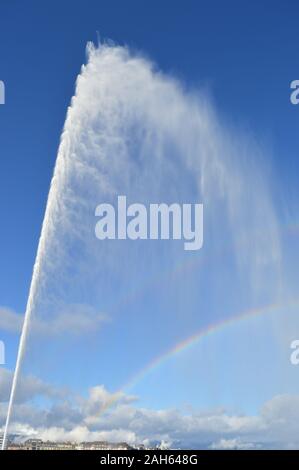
(46, 227)
(131, 130)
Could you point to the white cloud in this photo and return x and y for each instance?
(233, 444)
(10, 321)
(28, 387)
(74, 319)
(76, 418)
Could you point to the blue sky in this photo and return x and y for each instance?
(243, 56)
(247, 67)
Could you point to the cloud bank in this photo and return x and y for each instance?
(78, 418)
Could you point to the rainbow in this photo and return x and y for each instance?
(191, 341)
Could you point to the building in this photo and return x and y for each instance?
(39, 444)
(33, 444)
(8, 440)
(48, 445)
(103, 445)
